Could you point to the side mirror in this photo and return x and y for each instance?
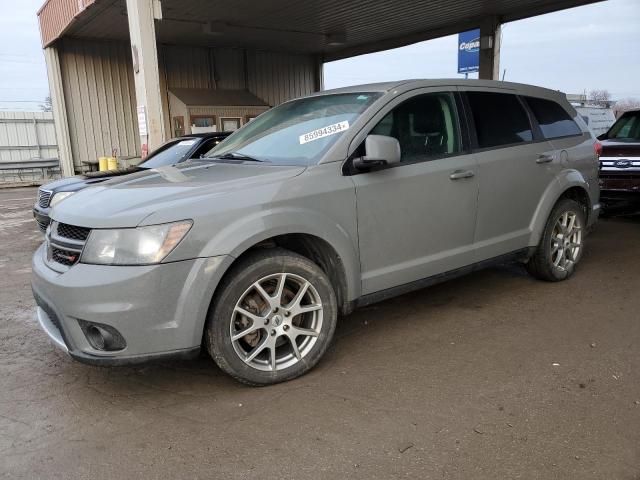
(381, 150)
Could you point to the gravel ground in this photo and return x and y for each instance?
(491, 376)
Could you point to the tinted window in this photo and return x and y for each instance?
(206, 146)
(170, 153)
(426, 126)
(553, 119)
(626, 127)
(500, 119)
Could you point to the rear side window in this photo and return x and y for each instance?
(500, 119)
(553, 119)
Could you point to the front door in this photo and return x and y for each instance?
(416, 219)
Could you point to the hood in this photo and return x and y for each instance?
(78, 182)
(68, 184)
(176, 190)
(620, 147)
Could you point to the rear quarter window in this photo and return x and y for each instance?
(499, 118)
(554, 120)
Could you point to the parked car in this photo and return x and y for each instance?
(174, 151)
(320, 205)
(619, 151)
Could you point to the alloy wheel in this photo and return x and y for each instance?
(276, 322)
(566, 240)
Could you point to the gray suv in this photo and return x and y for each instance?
(321, 205)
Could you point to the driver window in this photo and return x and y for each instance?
(426, 127)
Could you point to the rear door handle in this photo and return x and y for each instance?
(544, 159)
(460, 174)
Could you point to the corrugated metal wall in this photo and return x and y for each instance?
(278, 77)
(273, 77)
(100, 94)
(100, 98)
(26, 136)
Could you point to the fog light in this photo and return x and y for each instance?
(102, 337)
(95, 337)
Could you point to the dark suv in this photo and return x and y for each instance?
(174, 151)
(619, 151)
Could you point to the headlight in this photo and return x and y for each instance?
(58, 197)
(134, 246)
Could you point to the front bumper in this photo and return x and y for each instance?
(620, 191)
(41, 216)
(160, 310)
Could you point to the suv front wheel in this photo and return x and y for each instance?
(273, 317)
(562, 243)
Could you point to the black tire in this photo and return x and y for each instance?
(234, 287)
(541, 265)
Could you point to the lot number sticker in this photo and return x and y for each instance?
(324, 132)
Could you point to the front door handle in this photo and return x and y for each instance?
(460, 174)
(544, 159)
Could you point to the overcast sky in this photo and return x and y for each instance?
(585, 48)
(591, 47)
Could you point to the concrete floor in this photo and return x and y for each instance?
(492, 376)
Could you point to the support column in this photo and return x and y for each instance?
(142, 31)
(59, 108)
(490, 38)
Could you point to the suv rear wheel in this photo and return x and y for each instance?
(273, 318)
(562, 243)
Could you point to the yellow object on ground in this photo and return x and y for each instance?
(103, 164)
(112, 163)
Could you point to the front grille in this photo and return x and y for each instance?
(44, 198)
(42, 225)
(64, 257)
(71, 231)
(65, 244)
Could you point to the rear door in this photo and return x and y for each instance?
(516, 166)
(574, 147)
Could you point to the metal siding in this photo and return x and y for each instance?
(203, 67)
(278, 77)
(273, 77)
(187, 67)
(55, 16)
(27, 135)
(98, 88)
(228, 68)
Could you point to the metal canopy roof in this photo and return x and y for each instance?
(331, 28)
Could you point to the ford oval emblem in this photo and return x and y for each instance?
(622, 164)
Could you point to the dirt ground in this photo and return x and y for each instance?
(491, 376)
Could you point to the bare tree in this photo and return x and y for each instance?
(601, 98)
(624, 105)
(47, 106)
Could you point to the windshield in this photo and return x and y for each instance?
(298, 132)
(626, 127)
(169, 153)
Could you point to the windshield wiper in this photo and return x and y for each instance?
(235, 156)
